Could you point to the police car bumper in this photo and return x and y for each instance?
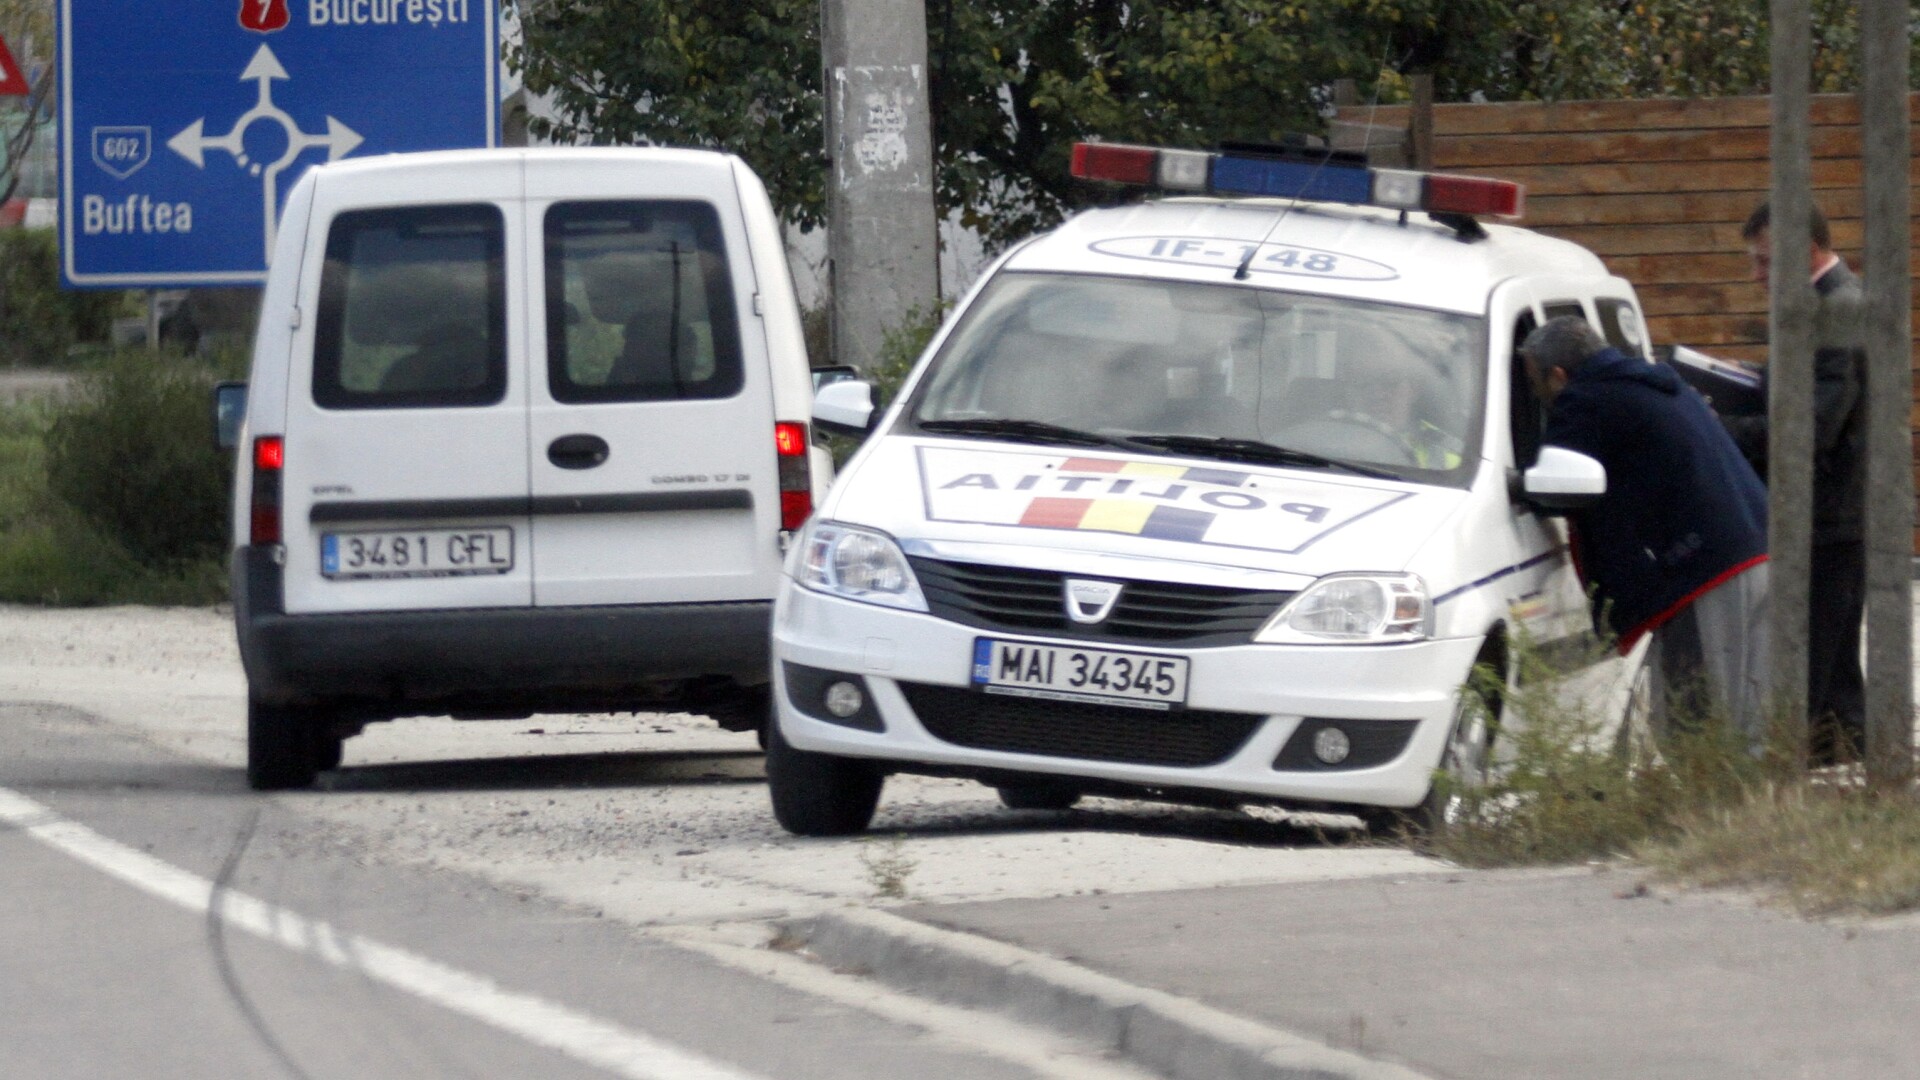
(1251, 723)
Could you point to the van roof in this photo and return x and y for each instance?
(426, 162)
(1356, 251)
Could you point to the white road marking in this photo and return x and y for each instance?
(585, 1038)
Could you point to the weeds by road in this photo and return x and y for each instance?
(1691, 805)
(130, 442)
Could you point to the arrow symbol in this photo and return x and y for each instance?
(264, 66)
(192, 144)
(340, 140)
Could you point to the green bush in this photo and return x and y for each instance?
(131, 450)
(40, 323)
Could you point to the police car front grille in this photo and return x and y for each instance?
(1189, 738)
(1020, 600)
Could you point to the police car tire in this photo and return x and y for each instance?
(280, 747)
(819, 794)
(1038, 795)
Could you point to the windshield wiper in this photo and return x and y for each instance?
(1252, 451)
(1038, 431)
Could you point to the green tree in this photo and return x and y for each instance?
(1014, 83)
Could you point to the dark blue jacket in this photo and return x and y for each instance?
(1683, 509)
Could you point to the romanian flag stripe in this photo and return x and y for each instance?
(1109, 467)
(1119, 516)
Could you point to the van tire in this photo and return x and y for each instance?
(281, 751)
(819, 794)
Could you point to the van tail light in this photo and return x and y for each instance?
(796, 487)
(269, 456)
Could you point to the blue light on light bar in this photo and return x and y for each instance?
(1292, 179)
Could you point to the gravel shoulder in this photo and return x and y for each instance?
(648, 818)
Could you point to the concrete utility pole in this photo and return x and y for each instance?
(882, 239)
(1790, 372)
(1889, 339)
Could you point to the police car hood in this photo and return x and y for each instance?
(1052, 506)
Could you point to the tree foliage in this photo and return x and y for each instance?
(1015, 82)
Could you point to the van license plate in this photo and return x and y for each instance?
(1108, 676)
(409, 553)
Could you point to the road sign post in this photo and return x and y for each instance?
(184, 125)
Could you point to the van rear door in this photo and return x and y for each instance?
(651, 418)
(405, 455)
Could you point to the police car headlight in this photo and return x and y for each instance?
(859, 564)
(1358, 609)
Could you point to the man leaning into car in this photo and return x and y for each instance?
(1677, 545)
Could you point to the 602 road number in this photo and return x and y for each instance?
(417, 553)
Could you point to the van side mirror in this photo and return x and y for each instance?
(833, 373)
(845, 407)
(1563, 479)
(229, 411)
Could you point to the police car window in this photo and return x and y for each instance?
(1620, 325)
(639, 303)
(1525, 417)
(412, 309)
(1363, 382)
(1559, 308)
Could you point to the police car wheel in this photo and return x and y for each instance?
(280, 747)
(819, 794)
(1038, 795)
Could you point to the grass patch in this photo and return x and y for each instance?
(1818, 849)
(1691, 805)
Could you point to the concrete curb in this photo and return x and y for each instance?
(1158, 1031)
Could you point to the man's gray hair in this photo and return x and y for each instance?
(1564, 342)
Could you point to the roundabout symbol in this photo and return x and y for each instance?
(193, 143)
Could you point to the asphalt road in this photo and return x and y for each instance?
(562, 896)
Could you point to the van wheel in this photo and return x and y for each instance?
(819, 794)
(280, 747)
(328, 748)
(1038, 795)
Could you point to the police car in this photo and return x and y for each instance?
(1217, 498)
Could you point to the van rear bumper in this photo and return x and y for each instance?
(510, 660)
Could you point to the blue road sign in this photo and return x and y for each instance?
(184, 125)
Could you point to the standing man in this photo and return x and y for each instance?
(1677, 547)
(1836, 690)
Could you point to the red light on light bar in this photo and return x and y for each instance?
(1473, 195)
(1114, 162)
(269, 453)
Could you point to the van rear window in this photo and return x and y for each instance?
(412, 309)
(639, 303)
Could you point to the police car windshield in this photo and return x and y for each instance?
(1393, 388)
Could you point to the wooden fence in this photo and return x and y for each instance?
(1658, 189)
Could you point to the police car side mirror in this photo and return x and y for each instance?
(229, 410)
(845, 407)
(833, 373)
(1563, 479)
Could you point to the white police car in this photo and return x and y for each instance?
(1213, 499)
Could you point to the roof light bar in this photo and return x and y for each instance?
(1290, 177)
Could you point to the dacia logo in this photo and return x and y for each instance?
(1090, 602)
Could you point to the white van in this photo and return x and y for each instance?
(526, 431)
(1217, 498)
